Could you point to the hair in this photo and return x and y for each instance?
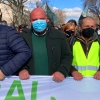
(73, 21)
(67, 26)
(22, 26)
(88, 17)
(3, 22)
(62, 24)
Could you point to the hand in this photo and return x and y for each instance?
(24, 74)
(2, 76)
(97, 75)
(77, 76)
(58, 77)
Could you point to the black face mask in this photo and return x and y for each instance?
(87, 32)
(69, 33)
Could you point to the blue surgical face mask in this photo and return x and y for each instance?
(39, 25)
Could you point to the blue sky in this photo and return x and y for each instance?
(73, 7)
(61, 4)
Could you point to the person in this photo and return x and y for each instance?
(72, 21)
(86, 49)
(75, 24)
(56, 27)
(3, 22)
(21, 27)
(26, 26)
(50, 50)
(69, 29)
(13, 51)
(62, 25)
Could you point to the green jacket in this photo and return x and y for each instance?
(59, 53)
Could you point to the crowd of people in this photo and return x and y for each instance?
(45, 49)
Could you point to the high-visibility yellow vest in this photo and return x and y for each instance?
(89, 65)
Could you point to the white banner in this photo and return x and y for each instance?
(44, 88)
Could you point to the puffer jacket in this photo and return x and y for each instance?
(13, 50)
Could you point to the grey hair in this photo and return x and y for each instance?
(88, 17)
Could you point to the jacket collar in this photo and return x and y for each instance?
(51, 32)
(94, 38)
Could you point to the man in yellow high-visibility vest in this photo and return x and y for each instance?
(86, 51)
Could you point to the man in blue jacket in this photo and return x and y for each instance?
(13, 51)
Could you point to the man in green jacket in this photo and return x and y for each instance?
(51, 52)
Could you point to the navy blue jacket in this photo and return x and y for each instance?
(13, 50)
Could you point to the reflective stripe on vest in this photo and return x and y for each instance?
(94, 68)
(87, 66)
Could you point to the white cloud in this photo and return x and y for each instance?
(70, 12)
(73, 12)
(54, 8)
(33, 0)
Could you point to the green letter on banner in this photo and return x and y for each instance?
(20, 96)
(52, 98)
(34, 90)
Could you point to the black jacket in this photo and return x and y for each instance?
(59, 53)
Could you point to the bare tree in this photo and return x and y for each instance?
(61, 15)
(17, 7)
(0, 12)
(41, 3)
(0, 15)
(21, 15)
(0, 1)
(94, 7)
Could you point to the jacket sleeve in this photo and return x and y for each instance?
(21, 52)
(72, 69)
(66, 58)
(27, 64)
